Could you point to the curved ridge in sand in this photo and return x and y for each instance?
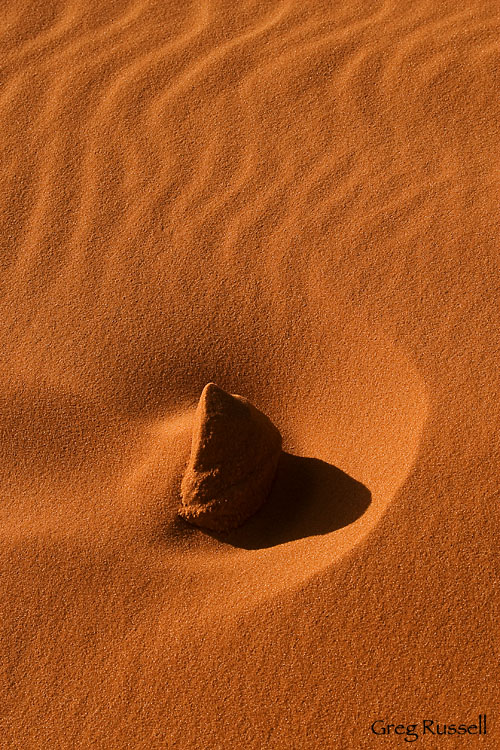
(350, 441)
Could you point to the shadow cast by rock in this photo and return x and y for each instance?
(309, 497)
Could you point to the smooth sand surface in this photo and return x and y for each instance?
(299, 202)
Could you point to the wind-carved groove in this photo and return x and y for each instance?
(131, 144)
(262, 72)
(54, 42)
(136, 162)
(246, 166)
(215, 55)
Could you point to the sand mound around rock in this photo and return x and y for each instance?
(234, 453)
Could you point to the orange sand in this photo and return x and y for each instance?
(298, 201)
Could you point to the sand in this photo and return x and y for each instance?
(299, 202)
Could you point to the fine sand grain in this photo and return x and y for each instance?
(297, 201)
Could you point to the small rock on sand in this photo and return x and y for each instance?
(234, 453)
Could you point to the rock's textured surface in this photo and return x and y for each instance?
(234, 454)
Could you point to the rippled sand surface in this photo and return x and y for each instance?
(299, 202)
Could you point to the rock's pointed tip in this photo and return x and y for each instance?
(211, 389)
(215, 399)
(210, 386)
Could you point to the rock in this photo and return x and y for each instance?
(234, 453)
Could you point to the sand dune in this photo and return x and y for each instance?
(299, 202)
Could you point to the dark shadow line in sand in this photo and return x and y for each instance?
(309, 497)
